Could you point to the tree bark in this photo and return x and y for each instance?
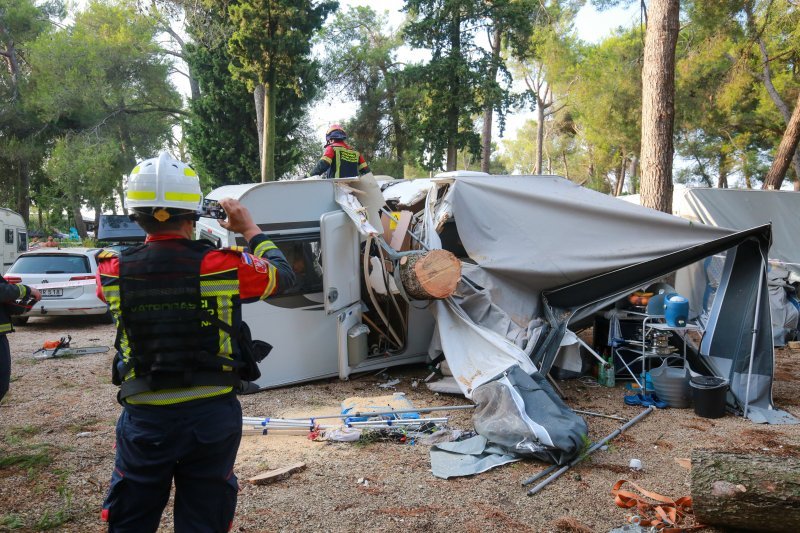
(489, 105)
(658, 104)
(258, 98)
(430, 275)
(634, 174)
(786, 150)
(455, 93)
(722, 181)
(766, 77)
(539, 135)
(744, 491)
(268, 147)
(621, 177)
(76, 214)
(397, 123)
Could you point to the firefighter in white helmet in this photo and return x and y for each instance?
(182, 351)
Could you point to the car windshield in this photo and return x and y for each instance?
(50, 264)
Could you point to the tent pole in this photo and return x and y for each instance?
(587, 453)
(762, 275)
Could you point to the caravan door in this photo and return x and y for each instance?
(341, 281)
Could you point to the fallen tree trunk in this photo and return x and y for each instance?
(430, 275)
(744, 491)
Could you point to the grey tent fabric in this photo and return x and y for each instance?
(571, 250)
(525, 416)
(746, 208)
(467, 457)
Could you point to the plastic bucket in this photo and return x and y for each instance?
(672, 385)
(708, 394)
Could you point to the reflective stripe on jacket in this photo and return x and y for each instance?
(227, 279)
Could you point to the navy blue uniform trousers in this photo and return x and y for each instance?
(5, 366)
(195, 445)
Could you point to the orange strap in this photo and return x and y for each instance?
(666, 515)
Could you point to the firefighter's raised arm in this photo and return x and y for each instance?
(240, 221)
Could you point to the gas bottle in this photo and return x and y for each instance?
(676, 310)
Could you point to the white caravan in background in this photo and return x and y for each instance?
(13, 237)
(316, 328)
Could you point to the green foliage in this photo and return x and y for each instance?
(361, 63)
(12, 521)
(60, 517)
(221, 135)
(101, 87)
(448, 86)
(271, 46)
(38, 458)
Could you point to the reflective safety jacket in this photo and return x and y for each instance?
(9, 293)
(168, 297)
(339, 160)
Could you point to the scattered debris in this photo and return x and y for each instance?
(635, 464)
(277, 474)
(684, 462)
(556, 473)
(389, 384)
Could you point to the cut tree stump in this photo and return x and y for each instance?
(430, 275)
(745, 491)
(276, 475)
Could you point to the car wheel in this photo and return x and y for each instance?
(19, 320)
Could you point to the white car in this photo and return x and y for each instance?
(66, 279)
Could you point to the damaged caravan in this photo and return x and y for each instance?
(539, 253)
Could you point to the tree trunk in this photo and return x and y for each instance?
(268, 148)
(621, 177)
(489, 109)
(744, 491)
(397, 123)
(24, 190)
(76, 214)
(121, 193)
(539, 135)
(98, 210)
(722, 181)
(787, 148)
(766, 77)
(634, 174)
(455, 94)
(566, 166)
(658, 104)
(430, 275)
(258, 98)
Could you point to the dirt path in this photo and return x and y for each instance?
(57, 435)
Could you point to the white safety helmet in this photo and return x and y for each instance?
(163, 182)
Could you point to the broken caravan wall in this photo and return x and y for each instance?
(309, 342)
(545, 235)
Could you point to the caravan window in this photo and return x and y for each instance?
(304, 256)
(9, 236)
(22, 241)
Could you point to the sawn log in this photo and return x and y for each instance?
(430, 275)
(746, 491)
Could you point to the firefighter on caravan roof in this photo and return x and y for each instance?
(339, 160)
(182, 352)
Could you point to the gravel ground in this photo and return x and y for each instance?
(59, 417)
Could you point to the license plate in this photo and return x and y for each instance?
(51, 292)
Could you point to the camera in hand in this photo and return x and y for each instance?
(212, 209)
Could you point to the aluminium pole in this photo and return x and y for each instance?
(591, 450)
